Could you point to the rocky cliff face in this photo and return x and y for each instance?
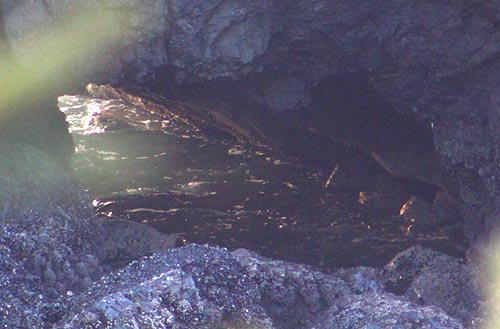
(438, 61)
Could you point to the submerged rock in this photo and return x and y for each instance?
(127, 241)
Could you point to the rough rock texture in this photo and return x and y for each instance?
(143, 27)
(384, 311)
(362, 279)
(48, 235)
(439, 61)
(127, 240)
(50, 241)
(427, 277)
(209, 287)
(189, 287)
(293, 295)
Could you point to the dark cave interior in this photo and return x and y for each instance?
(346, 122)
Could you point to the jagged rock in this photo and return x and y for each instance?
(372, 310)
(19, 294)
(439, 61)
(450, 286)
(362, 279)
(142, 27)
(126, 241)
(293, 295)
(48, 235)
(189, 287)
(428, 277)
(209, 287)
(407, 265)
(50, 240)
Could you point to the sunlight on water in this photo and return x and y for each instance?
(214, 190)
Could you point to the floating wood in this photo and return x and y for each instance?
(198, 114)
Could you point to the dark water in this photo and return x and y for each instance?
(218, 191)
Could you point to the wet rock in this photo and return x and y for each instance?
(292, 294)
(127, 241)
(47, 220)
(142, 26)
(419, 215)
(407, 265)
(207, 287)
(372, 310)
(362, 279)
(449, 77)
(47, 230)
(189, 287)
(51, 244)
(422, 216)
(20, 301)
(119, 115)
(236, 34)
(452, 287)
(427, 277)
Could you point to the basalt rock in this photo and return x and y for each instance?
(51, 243)
(384, 311)
(190, 287)
(48, 235)
(209, 287)
(427, 277)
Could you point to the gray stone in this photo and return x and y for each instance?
(363, 279)
(427, 277)
(370, 311)
(189, 287)
(127, 240)
(292, 294)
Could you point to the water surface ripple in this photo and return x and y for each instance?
(219, 191)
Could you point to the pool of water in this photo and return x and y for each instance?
(216, 190)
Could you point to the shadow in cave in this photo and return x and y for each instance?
(347, 122)
(242, 195)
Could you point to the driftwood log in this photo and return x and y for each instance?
(212, 114)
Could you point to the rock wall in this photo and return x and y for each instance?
(439, 61)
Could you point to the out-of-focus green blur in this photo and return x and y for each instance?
(47, 60)
(492, 280)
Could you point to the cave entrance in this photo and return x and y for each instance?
(383, 157)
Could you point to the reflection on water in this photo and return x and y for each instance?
(218, 191)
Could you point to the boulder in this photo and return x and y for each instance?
(428, 277)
